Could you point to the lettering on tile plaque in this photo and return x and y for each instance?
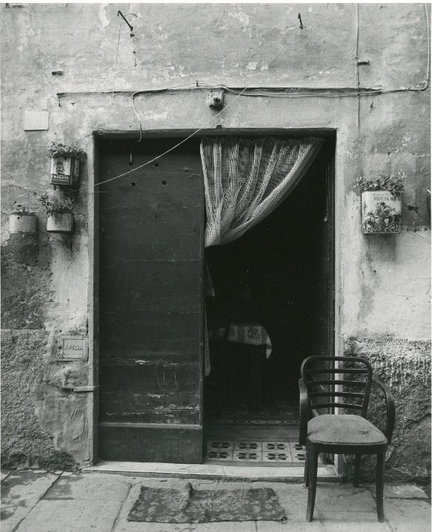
(72, 348)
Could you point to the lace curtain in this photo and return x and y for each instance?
(245, 180)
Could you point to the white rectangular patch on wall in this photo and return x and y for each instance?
(72, 348)
(36, 120)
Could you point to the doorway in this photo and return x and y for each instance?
(279, 274)
(155, 403)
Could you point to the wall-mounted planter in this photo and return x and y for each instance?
(381, 212)
(60, 223)
(65, 171)
(22, 223)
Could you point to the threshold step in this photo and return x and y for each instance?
(212, 471)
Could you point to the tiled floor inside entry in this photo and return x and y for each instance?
(236, 436)
(255, 451)
(254, 441)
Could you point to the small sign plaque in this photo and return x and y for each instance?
(72, 348)
(65, 171)
(381, 212)
(36, 120)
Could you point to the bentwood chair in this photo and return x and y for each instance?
(334, 397)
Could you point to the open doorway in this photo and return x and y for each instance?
(279, 275)
(151, 312)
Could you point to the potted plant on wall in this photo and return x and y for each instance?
(22, 220)
(59, 213)
(381, 204)
(65, 164)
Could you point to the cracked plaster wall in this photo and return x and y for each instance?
(382, 282)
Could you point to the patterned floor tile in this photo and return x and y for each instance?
(248, 445)
(226, 456)
(298, 452)
(219, 445)
(247, 456)
(277, 451)
(279, 456)
(220, 450)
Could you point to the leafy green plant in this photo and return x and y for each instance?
(392, 183)
(58, 149)
(56, 205)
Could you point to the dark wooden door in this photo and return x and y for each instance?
(150, 304)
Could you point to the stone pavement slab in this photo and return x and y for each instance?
(354, 522)
(71, 515)
(406, 515)
(90, 487)
(404, 491)
(344, 498)
(20, 492)
(79, 503)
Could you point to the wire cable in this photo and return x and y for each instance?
(187, 138)
(287, 93)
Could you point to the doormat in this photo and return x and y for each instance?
(162, 505)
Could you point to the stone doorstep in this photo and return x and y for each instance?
(213, 471)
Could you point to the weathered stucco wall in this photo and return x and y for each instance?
(382, 282)
(404, 366)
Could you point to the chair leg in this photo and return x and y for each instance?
(380, 486)
(357, 470)
(312, 470)
(306, 469)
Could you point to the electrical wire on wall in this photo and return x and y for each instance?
(250, 91)
(204, 126)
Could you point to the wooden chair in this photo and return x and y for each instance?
(343, 384)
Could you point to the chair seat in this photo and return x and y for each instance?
(344, 429)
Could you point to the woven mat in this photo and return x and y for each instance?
(162, 505)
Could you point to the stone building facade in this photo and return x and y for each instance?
(82, 74)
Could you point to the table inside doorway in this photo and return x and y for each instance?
(253, 334)
(244, 333)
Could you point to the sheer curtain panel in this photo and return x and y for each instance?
(246, 179)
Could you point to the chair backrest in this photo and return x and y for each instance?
(337, 382)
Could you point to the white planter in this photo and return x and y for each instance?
(65, 171)
(381, 212)
(22, 223)
(60, 223)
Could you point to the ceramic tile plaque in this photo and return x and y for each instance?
(72, 348)
(381, 212)
(65, 171)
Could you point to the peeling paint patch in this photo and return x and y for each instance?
(150, 115)
(102, 15)
(252, 65)
(242, 17)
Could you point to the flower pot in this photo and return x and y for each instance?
(22, 223)
(381, 212)
(65, 171)
(60, 223)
